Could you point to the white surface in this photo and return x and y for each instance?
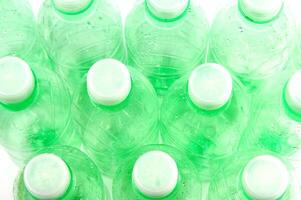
(47, 177)
(261, 10)
(167, 9)
(265, 177)
(293, 92)
(71, 6)
(108, 82)
(16, 80)
(8, 169)
(210, 86)
(155, 174)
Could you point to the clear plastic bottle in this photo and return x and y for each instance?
(19, 37)
(166, 39)
(157, 172)
(277, 125)
(205, 114)
(252, 39)
(80, 32)
(60, 173)
(253, 175)
(118, 111)
(35, 109)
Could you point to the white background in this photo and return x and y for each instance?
(8, 170)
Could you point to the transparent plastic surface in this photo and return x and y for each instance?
(188, 186)
(110, 133)
(76, 41)
(276, 126)
(227, 183)
(19, 37)
(42, 120)
(204, 134)
(164, 50)
(253, 51)
(86, 181)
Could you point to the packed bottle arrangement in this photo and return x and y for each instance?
(165, 105)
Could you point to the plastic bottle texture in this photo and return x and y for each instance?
(79, 33)
(252, 39)
(119, 113)
(35, 109)
(206, 113)
(157, 172)
(19, 37)
(60, 173)
(254, 175)
(166, 39)
(277, 125)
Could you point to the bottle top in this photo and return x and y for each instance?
(71, 6)
(47, 177)
(108, 82)
(261, 10)
(17, 80)
(167, 9)
(210, 86)
(293, 92)
(265, 177)
(155, 174)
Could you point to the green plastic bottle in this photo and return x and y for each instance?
(166, 39)
(157, 172)
(35, 109)
(206, 113)
(277, 124)
(60, 173)
(80, 32)
(252, 39)
(19, 37)
(250, 175)
(118, 111)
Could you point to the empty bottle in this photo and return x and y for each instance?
(252, 39)
(80, 32)
(249, 176)
(60, 173)
(157, 172)
(35, 109)
(206, 113)
(118, 112)
(19, 37)
(278, 117)
(166, 39)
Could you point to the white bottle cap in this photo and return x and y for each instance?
(210, 86)
(293, 92)
(108, 82)
(71, 6)
(265, 177)
(47, 177)
(261, 10)
(167, 9)
(16, 80)
(155, 174)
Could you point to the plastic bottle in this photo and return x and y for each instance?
(252, 39)
(80, 32)
(166, 39)
(34, 109)
(60, 173)
(277, 124)
(157, 172)
(251, 175)
(19, 37)
(119, 113)
(206, 113)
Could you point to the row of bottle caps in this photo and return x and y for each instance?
(235, 120)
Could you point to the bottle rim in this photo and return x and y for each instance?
(72, 7)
